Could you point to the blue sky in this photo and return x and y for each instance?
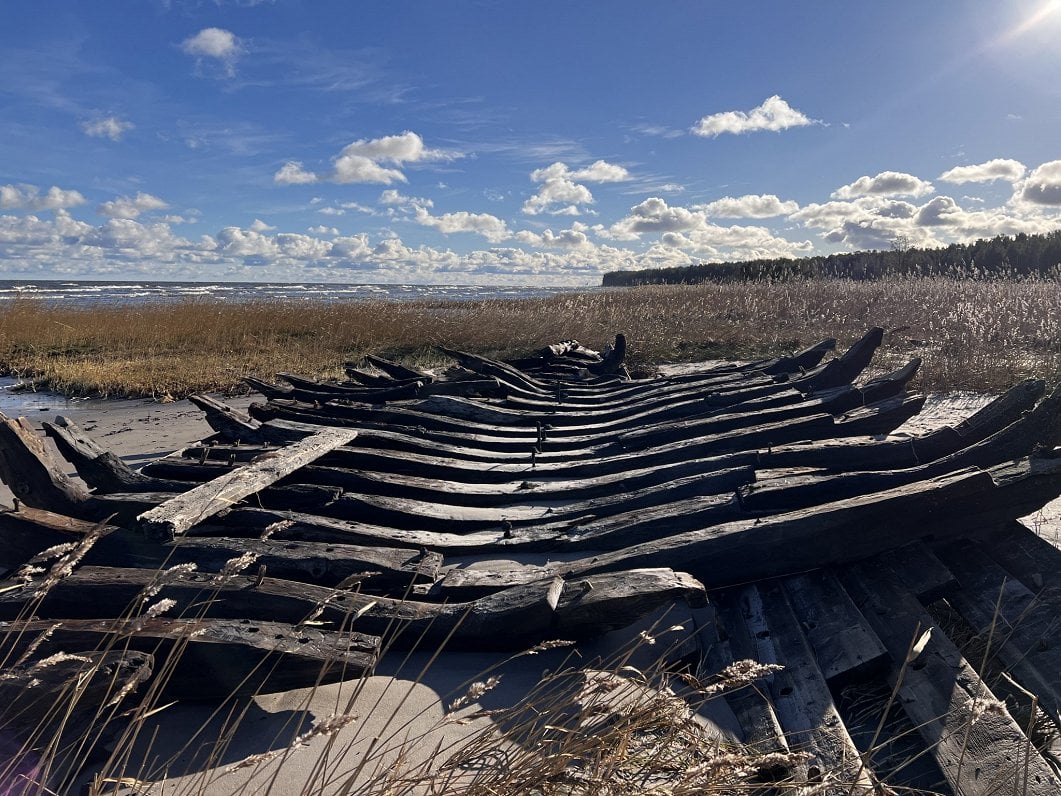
(541, 142)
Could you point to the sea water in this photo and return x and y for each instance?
(131, 292)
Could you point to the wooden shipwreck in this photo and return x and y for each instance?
(506, 504)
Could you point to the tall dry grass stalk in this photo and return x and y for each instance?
(974, 335)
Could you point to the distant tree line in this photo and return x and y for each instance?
(996, 258)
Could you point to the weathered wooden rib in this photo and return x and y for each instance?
(231, 424)
(97, 466)
(511, 619)
(915, 450)
(26, 531)
(366, 379)
(209, 658)
(1039, 428)
(844, 530)
(175, 516)
(398, 371)
(376, 568)
(326, 393)
(975, 742)
(31, 471)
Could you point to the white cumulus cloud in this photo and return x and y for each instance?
(261, 226)
(217, 43)
(1043, 186)
(887, 183)
(748, 206)
(29, 197)
(131, 207)
(774, 114)
(562, 192)
(292, 173)
(490, 227)
(107, 127)
(997, 169)
(377, 160)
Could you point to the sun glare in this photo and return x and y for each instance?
(1038, 16)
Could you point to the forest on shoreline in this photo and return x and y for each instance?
(1017, 256)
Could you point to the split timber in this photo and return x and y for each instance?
(511, 503)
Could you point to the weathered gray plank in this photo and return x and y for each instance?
(845, 645)
(1025, 628)
(973, 739)
(801, 697)
(750, 704)
(921, 571)
(177, 515)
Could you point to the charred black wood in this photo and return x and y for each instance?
(398, 371)
(99, 468)
(67, 705)
(209, 658)
(514, 618)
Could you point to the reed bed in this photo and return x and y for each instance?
(973, 335)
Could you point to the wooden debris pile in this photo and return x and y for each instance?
(510, 503)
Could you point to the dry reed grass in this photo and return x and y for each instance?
(976, 335)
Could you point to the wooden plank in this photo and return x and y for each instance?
(1030, 558)
(802, 700)
(751, 703)
(844, 644)
(377, 568)
(1024, 627)
(210, 658)
(921, 570)
(177, 515)
(974, 741)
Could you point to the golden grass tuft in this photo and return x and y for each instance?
(974, 335)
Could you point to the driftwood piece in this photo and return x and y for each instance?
(32, 472)
(177, 515)
(210, 658)
(976, 744)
